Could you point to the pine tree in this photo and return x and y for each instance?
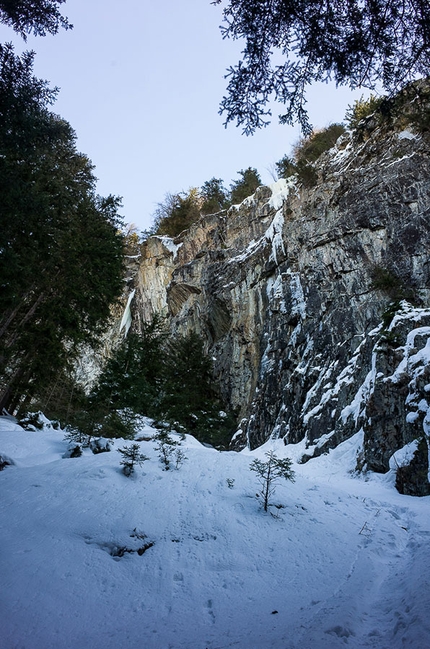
(132, 376)
(33, 16)
(215, 196)
(177, 212)
(62, 258)
(245, 186)
(270, 472)
(190, 401)
(290, 45)
(169, 450)
(131, 456)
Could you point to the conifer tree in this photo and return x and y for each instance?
(289, 45)
(33, 16)
(190, 400)
(131, 456)
(270, 472)
(245, 186)
(215, 196)
(61, 260)
(132, 376)
(177, 212)
(169, 450)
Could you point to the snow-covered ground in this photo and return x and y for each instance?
(344, 563)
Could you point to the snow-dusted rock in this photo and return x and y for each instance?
(282, 289)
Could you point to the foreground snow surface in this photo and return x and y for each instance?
(345, 562)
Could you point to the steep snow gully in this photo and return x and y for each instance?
(187, 559)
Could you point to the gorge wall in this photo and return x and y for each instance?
(314, 303)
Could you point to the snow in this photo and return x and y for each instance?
(404, 455)
(356, 406)
(406, 135)
(126, 317)
(412, 360)
(280, 191)
(273, 235)
(343, 562)
(169, 244)
(297, 296)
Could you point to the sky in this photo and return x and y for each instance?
(141, 82)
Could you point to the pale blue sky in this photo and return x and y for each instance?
(141, 81)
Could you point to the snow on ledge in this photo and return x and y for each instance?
(169, 244)
(403, 456)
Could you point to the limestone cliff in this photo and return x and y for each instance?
(286, 289)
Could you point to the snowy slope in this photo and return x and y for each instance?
(344, 563)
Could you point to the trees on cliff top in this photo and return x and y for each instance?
(178, 211)
(290, 44)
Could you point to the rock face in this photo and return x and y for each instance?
(298, 294)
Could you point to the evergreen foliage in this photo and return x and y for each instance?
(132, 240)
(310, 148)
(190, 402)
(408, 108)
(177, 212)
(285, 167)
(33, 16)
(131, 456)
(61, 260)
(132, 376)
(289, 45)
(128, 386)
(149, 374)
(215, 196)
(360, 109)
(306, 152)
(169, 450)
(245, 186)
(270, 472)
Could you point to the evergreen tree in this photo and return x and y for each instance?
(177, 212)
(306, 152)
(169, 450)
(131, 456)
(187, 379)
(61, 260)
(132, 376)
(190, 402)
(285, 167)
(215, 196)
(245, 186)
(270, 472)
(33, 16)
(289, 45)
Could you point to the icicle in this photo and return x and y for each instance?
(126, 318)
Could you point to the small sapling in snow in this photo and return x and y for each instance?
(270, 472)
(169, 451)
(131, 456)
(76, 436)
(230, 483)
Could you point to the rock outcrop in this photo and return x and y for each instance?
(303, 296)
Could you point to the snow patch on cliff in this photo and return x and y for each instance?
(281, 189)
(126, 319)
(170, 245)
